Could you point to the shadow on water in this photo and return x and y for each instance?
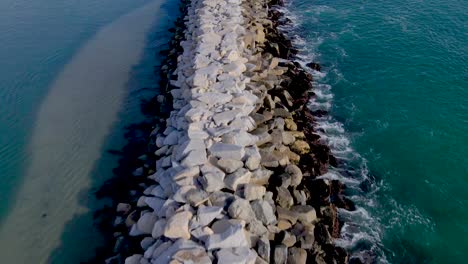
(126, 141)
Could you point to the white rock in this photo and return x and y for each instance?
(232, 55)
(158, 228)
(295, 173)
(192, 256)
(180, 195)
(177, 225)
(233, 236)
(305, 213)
(228, 151)
(172, 138)
(241, 209)
(245, 98)
(225, 117)
(213, 98)
(235, 68)
(123, 208)
(146, 222)
(212, 183)
(207, 214)
(230, 165)
(187, 173)
(184, 149)
(281, 254)
(155, 203)
(134, 231)
(195, 157)
(199, 79)
(134, 259)
(263, 212)
(160, 249)
(240, 137)
(213, 178)
(164, 256)
(196, 197)
(240, 255)
(158, 191)
(254, 192)
(196, 114)
(241, 176)
(146, 242)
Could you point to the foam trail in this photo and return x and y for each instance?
(361, 233)
(71, 126)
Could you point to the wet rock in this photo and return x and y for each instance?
(321, 234)
(313, 66)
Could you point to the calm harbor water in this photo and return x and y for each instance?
(395, 81)
(73, 75)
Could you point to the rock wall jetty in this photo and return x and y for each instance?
(230, 171)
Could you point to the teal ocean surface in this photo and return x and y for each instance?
(395, 81)
(73, 74)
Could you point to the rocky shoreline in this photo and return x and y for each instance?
(229, 173)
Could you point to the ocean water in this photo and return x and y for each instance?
(73, 74)
(395, 82)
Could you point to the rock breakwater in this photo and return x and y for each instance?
(230, 170)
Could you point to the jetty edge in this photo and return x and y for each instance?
(230, 170)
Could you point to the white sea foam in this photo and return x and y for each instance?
(361, 233)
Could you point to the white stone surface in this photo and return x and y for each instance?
(233, 236)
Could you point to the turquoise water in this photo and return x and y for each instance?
(395, 81)
(73, 74)
(38, 38)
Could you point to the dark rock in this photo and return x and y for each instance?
(322, 236)
(313, 66)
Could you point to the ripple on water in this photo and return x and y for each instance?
(71, 127)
